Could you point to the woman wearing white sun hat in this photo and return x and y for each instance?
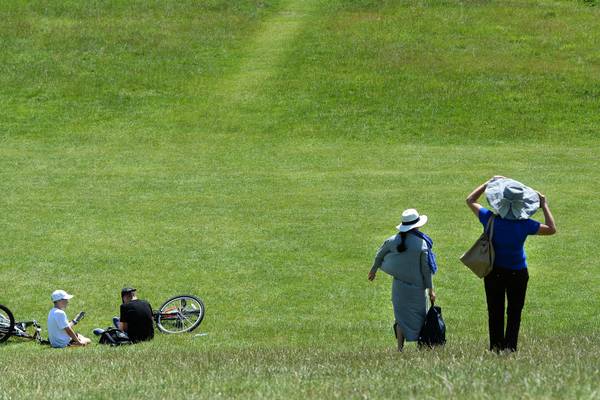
(408, 258)
(512, 206)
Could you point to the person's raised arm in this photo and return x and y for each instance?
(476, 194)
(549, 226)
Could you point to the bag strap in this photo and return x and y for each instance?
(489, 228)
(107, 338)
(490, 234)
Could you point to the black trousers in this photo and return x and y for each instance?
(500, 284)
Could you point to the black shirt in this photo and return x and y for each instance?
(138, 316)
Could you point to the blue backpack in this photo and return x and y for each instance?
(433, 332)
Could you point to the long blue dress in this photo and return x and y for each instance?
(412, 275)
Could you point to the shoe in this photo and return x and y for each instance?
(78, 317)
(98, 331)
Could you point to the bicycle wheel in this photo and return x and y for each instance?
(180, 314)
(7, 323)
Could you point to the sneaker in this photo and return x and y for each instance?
(78, 317)
(98, 331)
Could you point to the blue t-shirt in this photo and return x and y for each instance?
(509, 239)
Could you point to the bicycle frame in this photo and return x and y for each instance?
(20, 330)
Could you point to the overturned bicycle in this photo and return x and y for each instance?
(29, 330)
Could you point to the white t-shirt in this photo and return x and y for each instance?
(57, 322)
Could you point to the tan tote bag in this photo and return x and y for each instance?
(480, 257)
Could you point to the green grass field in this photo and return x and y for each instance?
(257, 153)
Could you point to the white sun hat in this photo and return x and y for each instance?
(411, 219)
(511, 199)
(60, 295)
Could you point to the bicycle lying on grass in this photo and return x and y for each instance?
(9, 327)
(178, 314)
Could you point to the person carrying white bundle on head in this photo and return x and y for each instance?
(509, 224)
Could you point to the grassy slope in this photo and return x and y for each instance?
(257, 153)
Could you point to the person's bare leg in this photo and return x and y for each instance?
(400, 337)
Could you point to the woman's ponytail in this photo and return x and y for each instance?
(402, 246)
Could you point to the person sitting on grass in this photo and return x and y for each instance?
(136, 317)
(60, 330)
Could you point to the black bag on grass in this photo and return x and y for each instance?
(433, 332)
(114, 337)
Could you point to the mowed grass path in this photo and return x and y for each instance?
(257, 153)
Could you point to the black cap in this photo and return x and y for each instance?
(127, 290)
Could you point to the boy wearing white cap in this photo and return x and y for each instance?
(60, 330)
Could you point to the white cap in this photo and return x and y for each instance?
(60, 295)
